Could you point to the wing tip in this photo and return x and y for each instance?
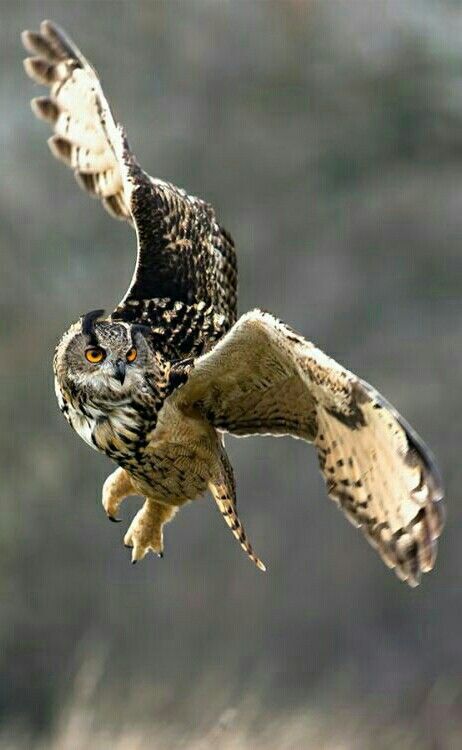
(407, 544)
(61, 149)
(57, 37)
(412, 551)
(87, 183)
(44, 109)
(28, 38)
(114, 205)
(52, 44)
(49, 27)
(427, 525)
(38, 69)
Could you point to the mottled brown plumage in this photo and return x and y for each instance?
(155, 384)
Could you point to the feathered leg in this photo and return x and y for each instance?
(224, 493)
(116, 488)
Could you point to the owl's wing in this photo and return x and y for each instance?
(76, 108)
(263, 378)
(183, 253)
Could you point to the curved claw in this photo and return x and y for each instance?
(115, 520)
(145, 532)
(128, 546)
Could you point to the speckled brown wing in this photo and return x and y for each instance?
(263, 378)
(185, 278)
(184, 284)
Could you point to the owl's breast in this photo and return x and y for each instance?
(120, 432)
(83, 426)
(82, 423)
(115, 429)
(170, 455)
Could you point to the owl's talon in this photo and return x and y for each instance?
(145, 532)
(138, 553)
(128, 546)
(115, 489)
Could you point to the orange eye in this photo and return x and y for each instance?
(95, 355)
(132, 354)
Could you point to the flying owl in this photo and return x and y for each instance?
(157, 383)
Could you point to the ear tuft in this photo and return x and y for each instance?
(88, 325)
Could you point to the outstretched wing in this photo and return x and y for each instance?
(263, 378)
(184, 257)
(76, 108)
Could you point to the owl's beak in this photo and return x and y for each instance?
(119, 371)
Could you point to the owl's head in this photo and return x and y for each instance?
(107, 360)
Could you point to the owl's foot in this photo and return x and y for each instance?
(116, 488)
(146, 530)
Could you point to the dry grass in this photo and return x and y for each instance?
(84, 725)
(80, 731)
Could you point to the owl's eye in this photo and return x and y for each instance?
(95, 355)
(132, 354)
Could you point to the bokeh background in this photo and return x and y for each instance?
(328, 135)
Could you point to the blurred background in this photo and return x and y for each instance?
(328, 135)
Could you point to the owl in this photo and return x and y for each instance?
(156, 384)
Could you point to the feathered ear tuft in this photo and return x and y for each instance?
(88, 325)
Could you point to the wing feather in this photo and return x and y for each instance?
(184, 256)
(263, 378)
(83, 124)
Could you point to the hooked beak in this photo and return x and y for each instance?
(119, 371)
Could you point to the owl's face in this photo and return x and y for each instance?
(108, 362)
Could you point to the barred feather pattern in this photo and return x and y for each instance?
(183, 253)
(381, 477)
(203, 370)
(78, 113)
(232, 520)
(223, 490)
(177, 330)
(263, 378)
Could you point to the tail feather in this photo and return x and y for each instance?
(227, 507)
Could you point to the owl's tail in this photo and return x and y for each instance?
(224, 494)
